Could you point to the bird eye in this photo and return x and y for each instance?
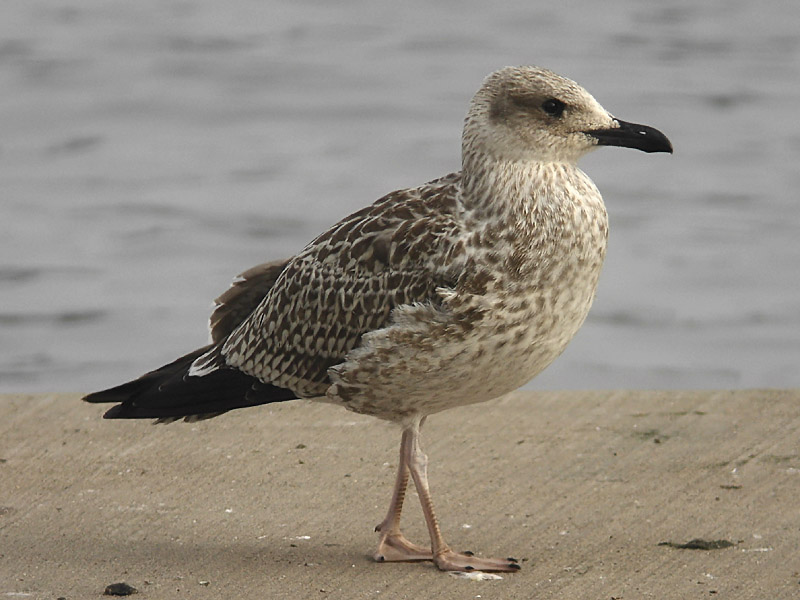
(553, 107)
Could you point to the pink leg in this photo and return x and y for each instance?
(444, 558)
(393, 546)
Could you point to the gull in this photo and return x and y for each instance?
(433, 297)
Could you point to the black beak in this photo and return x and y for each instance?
(632, 135)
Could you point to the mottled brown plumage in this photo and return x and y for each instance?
(433, 297)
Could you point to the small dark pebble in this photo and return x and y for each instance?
(120, 589)
(730, 487)
(300, 446)
(699, 544)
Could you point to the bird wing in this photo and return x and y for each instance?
(242, 298)
(345, 283)
(168, 395)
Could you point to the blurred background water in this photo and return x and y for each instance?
(151, 150)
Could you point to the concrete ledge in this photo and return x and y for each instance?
(280, 501)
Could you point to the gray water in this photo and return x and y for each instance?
(151, 150)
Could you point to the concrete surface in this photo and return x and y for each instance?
(280, 501)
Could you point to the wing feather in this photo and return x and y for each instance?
(346, 283)
(242, 298)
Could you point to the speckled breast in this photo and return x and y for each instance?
(519, 304)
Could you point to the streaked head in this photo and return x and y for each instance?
(533, 114)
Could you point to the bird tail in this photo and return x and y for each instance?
(169, 393)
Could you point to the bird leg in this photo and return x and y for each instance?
(393, 546)
(444, 558)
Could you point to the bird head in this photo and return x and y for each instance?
(533, 114)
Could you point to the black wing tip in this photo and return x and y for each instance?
(129, 411)
(114, 412)
(103, 397)
(168, 394)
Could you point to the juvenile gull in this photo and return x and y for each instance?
(433, 297)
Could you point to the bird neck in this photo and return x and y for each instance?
(499, 189)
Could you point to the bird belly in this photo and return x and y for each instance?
(432, 360)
